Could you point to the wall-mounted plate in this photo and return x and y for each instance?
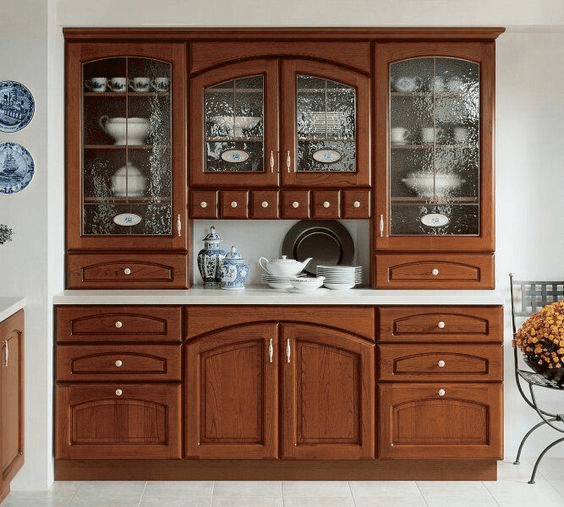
(235, 156)
(16, 168)
(16, 106)
(327, 156)
(435, 220)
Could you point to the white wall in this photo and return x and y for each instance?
(530, 181)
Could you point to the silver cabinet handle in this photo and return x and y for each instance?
(288, 350)
(264, 204)
(233, 204)
(179, 225)
(296, 204)
(288, 162)
(5, 346)
(381, 226)
(271, 161)
(435, 272)
(271, 351)
(203, 204)
(356, 204)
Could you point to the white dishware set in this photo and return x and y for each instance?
(140, 84)
(280, 273)
(340, 277)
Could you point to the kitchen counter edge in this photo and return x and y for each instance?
(9, 306)
(264, 296)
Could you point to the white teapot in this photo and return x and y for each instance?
(283, 266)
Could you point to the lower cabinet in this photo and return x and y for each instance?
(280, 390)
(11, 399)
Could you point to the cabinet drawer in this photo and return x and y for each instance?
(234, 204)
(433, 271)
(326, 204)
(440, 421)
(118, 421)
(295, 204)
(127, 271)
(203, 204)
(119, 323)
(264, 204)
(356, 204)
(118, 362)
(441, 323)
(440, 362)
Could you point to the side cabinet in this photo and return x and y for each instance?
(440, 382)
(272, 387)
(118, 389)
(11, 399)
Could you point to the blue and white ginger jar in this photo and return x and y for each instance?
(209, 259)
(234, 271)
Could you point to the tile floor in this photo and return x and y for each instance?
(510, 490)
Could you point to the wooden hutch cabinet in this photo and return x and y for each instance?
(12, 415)
(434, 219)
(126, 176)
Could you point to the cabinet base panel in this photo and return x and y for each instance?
(263, 470)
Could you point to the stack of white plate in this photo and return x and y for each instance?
(276, 282)
(340, 277)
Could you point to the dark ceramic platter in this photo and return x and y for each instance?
(327, 241)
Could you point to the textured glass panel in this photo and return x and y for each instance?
(127, 162)
(434, 146)
(326, 120)
(234, 112)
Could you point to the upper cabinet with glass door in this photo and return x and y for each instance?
(280, 121)
(434, 152)
(126, 189)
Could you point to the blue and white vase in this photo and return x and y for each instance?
(209, 259)
(234, 271)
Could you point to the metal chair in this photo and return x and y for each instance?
(527, 297)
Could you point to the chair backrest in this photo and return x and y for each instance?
(529, 296)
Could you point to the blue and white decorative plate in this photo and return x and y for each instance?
(16, 168)
(16, 106)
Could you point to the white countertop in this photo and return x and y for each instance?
(9, 306)
(260, 295)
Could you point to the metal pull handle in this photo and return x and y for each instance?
(381, 226)
(118, 392)
(435, 272)
(356, 204)
(288, 350)
(295, 204)
(204, 204)
(179, 225)
(271, 351)
(6, 352)
(234, 204)
(271, 161)
(288, 161)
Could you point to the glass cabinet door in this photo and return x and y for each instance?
(434, 147)
(127, 156)
(324, 125)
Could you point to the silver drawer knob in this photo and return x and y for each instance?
(441, 364)
(233, 204)
(295, 204)
(434, 271)
(127, 271)
(442, 392)
(326, 204)
(441, 325)
(119, 363)
(203, 204)
(119, 392)
(356, 204)
(264, 204)
(118, 324)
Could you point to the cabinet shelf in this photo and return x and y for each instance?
(123, 200)
(435, 200)
(434, 146)
(120, 147)
(126, 94)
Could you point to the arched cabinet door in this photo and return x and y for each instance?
(327, 394)
(231, 393)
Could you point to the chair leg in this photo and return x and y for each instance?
(527, 435)
(541, 456)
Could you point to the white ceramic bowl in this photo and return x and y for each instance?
(131, 131)
(427, 184)
(305, 283)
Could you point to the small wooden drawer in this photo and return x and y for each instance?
(127, 271)
(295, 204)
(440, 420)
(118, 362)
(441, 323)
(118, 421)
(444, 362)
(434, 271)
(111, 323)
(234, 204)
(203, 204)
(355, 204)
(326, 204)
(264, 204)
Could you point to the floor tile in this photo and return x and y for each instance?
(312, 489)
(246, 501)
(390, 501)
(272, 489)
(178, 488)
(320, 501)
(383, 488)
(176, 501)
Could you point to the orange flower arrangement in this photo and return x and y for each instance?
(541, 338)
